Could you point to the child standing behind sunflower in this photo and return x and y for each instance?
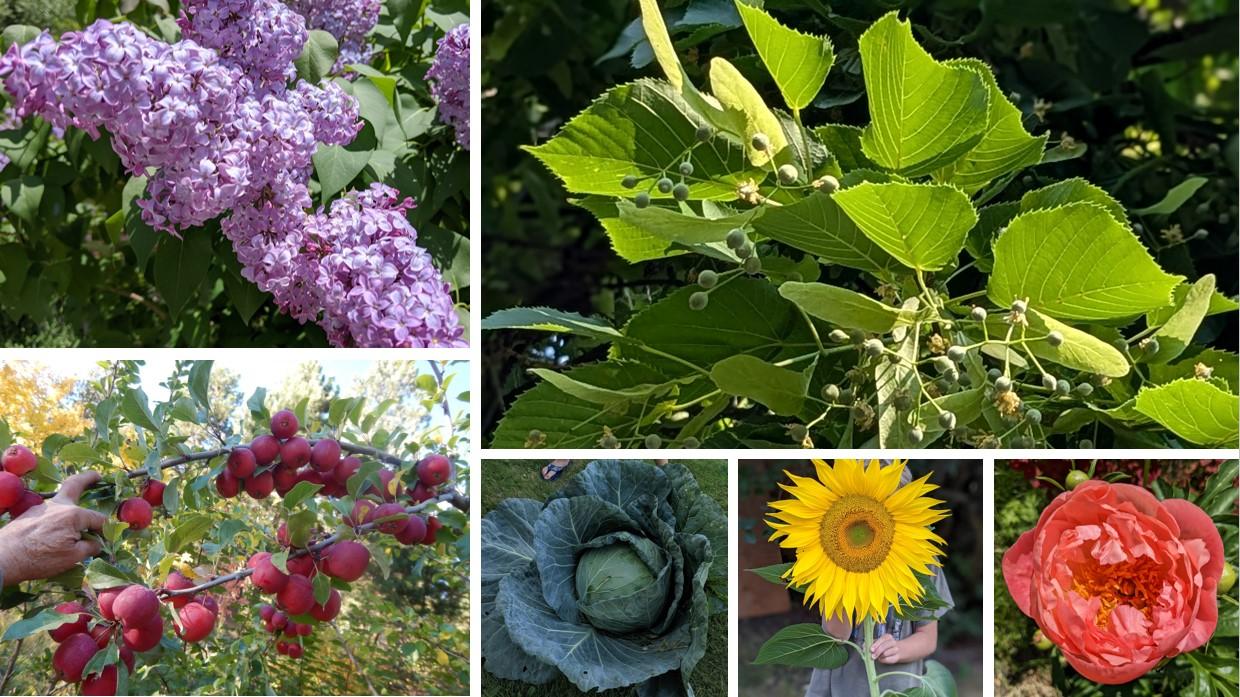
(863, 536)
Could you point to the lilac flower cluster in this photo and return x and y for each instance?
(449, 74)
(350, 21)
(214, 118)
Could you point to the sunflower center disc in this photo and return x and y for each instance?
(856, 533)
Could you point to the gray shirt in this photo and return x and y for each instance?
(849, 680)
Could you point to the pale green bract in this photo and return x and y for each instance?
(611, 583)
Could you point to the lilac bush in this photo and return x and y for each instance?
(214, 123)
(350, 21)
(449, 76)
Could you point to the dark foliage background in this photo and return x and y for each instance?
(1149, 86)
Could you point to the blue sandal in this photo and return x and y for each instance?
(554, 470)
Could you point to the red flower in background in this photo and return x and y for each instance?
(1118, 579)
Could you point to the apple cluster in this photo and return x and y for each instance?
(131, 616)
(15, 497)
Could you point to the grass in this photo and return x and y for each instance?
(504, 479)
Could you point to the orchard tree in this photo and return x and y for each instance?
(279, 560)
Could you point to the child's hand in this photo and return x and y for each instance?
(887, 651)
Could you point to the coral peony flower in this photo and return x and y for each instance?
(1118, 579)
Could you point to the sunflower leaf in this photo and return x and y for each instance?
(804, 646)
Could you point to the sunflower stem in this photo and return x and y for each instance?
(868, 658)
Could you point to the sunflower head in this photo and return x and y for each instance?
(861, 538)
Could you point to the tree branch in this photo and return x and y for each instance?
(452, 497)
(8, 672)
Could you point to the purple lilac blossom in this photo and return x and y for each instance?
(449, 76)
(226, 136)
(350, 21)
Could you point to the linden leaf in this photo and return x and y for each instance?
(922, 225)
(1005, 146)
(1076, 262)
(816, 224)
(798, 62)
(778, 389)
(1195, 410)
(1176, 333)
(845, 308)
(736, 94)
(924, 114)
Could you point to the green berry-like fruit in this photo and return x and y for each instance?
(856, 336)
(1084, 389)
(839, 336)
(1150, 346)
(691, 443)
(943, 364)
(831, 393)
(1019, 306)
(704, 133)
(641, 200)
(752, 265)
(956, 353)
(1022, 442)
(1054, 339)
(1033, 416)
(736, 238)
(788, 174)
(798, 432)
(1075, 479)
(1062, 387)
(680, 192)
(1085, 444)
(1003, 383)
(1049, 381)
(947, 420)
(1227, 579)
(653, 442)
(609, 441)
(915, 435)
(629, 181)
(698, 301)
(873, 347)
(744, 251)
(827, 184)
(1040, 641)
(708, 279)
(994, 374)
(664, 185)
(760, 142)
(978, 314)
(686, 169)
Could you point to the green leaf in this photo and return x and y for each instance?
(134, 406)
(636, 129)
(100, 574)
(181, 265)
(1219, 304)
(77, 453)
(1177, 332)
(736, 95)
(47, 619)
(22, 196)
(190, 529)
(744, 316)
(779, 389)
(301, 526)
(317, 56)
(816, 224)
(922, 225)
(549, 320)
(200, 381)
(773, 573)
(803, 646)
(1176, 197)
(300, 492)
(937, 682)
(798, 62)
(19, 34)
(322, 587)
(1221, 364)
(336, 166)
(844, 144)
(1005, 146)
(675, 226)
(891, 379)
(845, 308)
(566, 421)
(1195, 410)
(1075, 190)
(1076, 262)
(1080, 350)
(924, 114)
(966, 405)
(629, 241)
(600, 395)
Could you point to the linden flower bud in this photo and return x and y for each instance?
(760, 142)
(827, 184)
(708, 279)
(629, 181)
(978, 314)
(752, 265)
(698, 301)
(736, 237)
(704, 133)
(839, 336)
(641, 200)
(664, 185)
(873, 347)
(680, 192)
(788, 174)
(686, 169)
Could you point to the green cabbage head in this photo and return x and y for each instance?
(610, 583)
